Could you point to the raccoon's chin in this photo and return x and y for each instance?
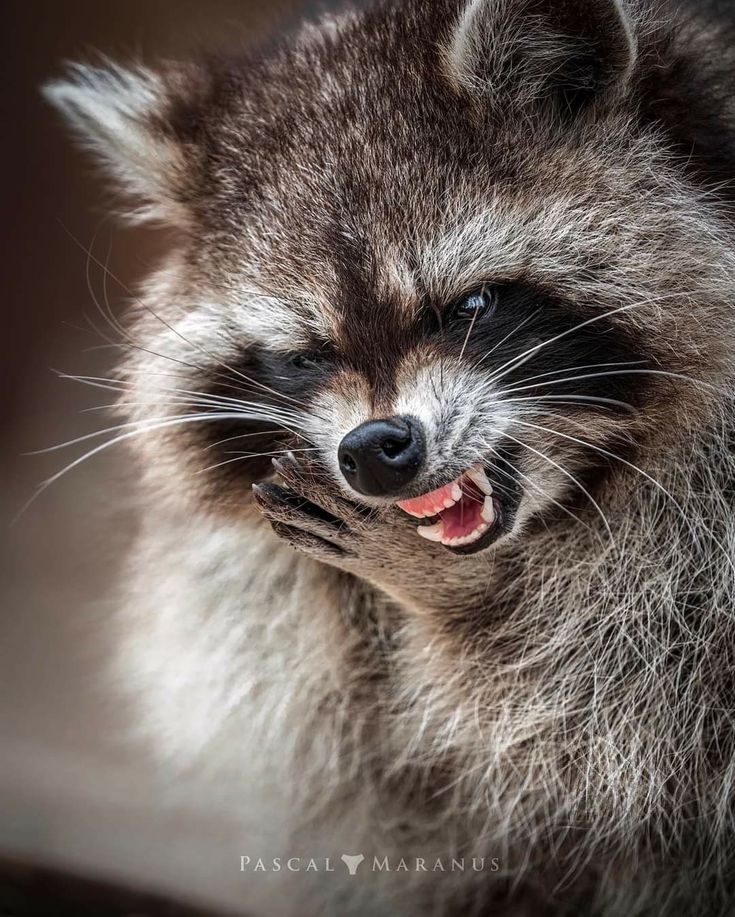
(465, 516)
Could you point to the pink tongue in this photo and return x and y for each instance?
(462, 518)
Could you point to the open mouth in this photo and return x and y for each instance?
(464, 515)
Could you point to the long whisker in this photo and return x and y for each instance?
(524, 357)
(230, 439)
(195, 397)
(113, 384)
(496, 469)
(241, 457)
(109, 385)
(139, 430)
(565, 369)
(510, 334)
(203, 398)
(685, 518)
(565, 417)
(626, 372)
(574, 399)
(107, 272)
(104, 311)
(251, 415)
(568, 475)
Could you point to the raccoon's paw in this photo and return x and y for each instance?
(310, 513)
(379, 546)
(307, 512)
(305, 525)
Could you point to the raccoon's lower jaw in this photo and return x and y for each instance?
(467, 515)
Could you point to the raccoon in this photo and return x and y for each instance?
(431, 407)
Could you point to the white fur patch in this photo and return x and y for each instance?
(278, 325)
(461, 418)
(341, 408)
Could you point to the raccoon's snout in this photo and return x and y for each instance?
(381, 457)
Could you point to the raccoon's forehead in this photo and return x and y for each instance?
(347, 181)
(390, 253)
(352, 171)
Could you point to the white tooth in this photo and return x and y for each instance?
(488, 510)
(431, 532)
(480, 478)
(465, 539)
(450, 503)
(456, 493)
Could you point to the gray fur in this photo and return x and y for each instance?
(564, 700)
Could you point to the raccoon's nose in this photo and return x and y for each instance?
(380, 457)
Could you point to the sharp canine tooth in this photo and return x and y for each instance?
(431, 532)
(480, 478)
(488, 510)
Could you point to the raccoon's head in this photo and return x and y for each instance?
(442, 245)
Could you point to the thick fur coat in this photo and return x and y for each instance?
(562, 700)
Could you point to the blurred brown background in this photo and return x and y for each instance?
(73, 792)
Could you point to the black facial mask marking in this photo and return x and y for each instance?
(512, 343)
(280, 382)
(507, 342)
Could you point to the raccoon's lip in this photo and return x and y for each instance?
(463, 515)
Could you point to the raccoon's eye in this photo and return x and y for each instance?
(312, 360)
(475, 305)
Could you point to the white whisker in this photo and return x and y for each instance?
(635, 468)
(627, 372)
(510, 334)
(243, 456)
(574, 399)
(537, 487)
(524, 357)
(141, 427)
(568, 475)
(565, 369)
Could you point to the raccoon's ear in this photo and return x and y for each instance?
(529, 50)
(125, 117)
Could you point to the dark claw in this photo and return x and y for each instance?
(275, 498)
(307, 542)
(280, 463)
(290, 469)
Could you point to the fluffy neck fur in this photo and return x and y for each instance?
(580, 715)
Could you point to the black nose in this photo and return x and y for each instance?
(380, 457)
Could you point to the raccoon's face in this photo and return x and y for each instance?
(435, 245)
